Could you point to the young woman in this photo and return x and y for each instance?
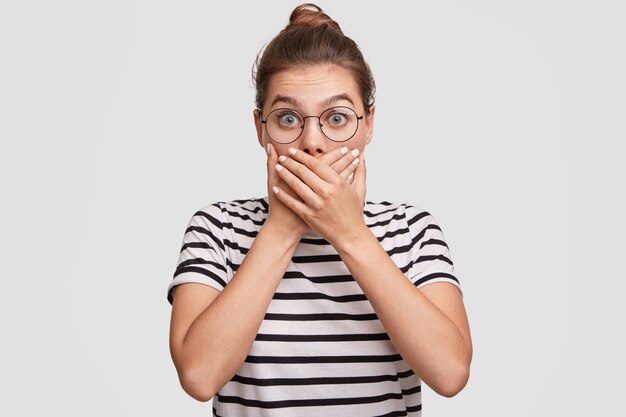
(313, 301)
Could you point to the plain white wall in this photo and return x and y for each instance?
(119, 119)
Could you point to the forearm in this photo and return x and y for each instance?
(219, 340)
(427, 339)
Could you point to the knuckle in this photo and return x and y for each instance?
(326, 158)
(337, 180)
(314, 163)
(329, 191)
(298, 170)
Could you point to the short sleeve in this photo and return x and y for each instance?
(430, 259)
(202, 258)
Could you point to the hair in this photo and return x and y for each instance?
(311, 38)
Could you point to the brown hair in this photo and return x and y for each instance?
(311, 38)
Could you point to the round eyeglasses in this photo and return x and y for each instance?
(338, 124)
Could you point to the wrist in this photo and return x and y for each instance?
(350, 241)
(289, 235)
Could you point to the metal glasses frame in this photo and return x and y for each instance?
(319, 123)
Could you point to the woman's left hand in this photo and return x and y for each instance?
(331, 206)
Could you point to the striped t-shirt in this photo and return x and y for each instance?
(320, 350)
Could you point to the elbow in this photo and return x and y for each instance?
(198, 393)
(196, 379)
(453, 383)
(197, 388)
(457, 377)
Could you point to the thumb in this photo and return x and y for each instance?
(359, 177)
(272, 160)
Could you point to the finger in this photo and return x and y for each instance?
(308, 165)
(296, 206)
(294, 182)
(270, 164)
(345, 161)
(359, 177)
(273, 177)
(312, 181)
(335, 155)
(349, 170)
(272, 160)
(306, 175)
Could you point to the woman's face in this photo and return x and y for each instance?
(310, 91)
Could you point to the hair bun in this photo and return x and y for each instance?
(309, 14)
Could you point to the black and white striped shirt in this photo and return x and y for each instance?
(320, 350)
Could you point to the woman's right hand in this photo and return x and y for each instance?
(281, 216)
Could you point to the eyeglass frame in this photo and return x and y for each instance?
(319, 124)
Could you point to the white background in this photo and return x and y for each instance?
(119, 119)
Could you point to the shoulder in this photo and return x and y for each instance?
(415, 217)
(377, 208)
(243, 216)
(224, 209)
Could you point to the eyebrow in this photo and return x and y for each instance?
(294, 102)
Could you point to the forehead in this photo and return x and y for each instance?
(311, 86)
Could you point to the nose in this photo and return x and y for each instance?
(313, 140)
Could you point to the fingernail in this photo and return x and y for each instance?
(267, 148)
(275, 189)
(278, 167)
(356, 161)
(282, 158)
(344, 150)
(292, 151)
(355, 152)
(350, 176)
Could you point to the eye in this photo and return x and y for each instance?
(288, 118)
(336, 119)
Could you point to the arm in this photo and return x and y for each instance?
(427, 326)
(212, 332)
(208, 352)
